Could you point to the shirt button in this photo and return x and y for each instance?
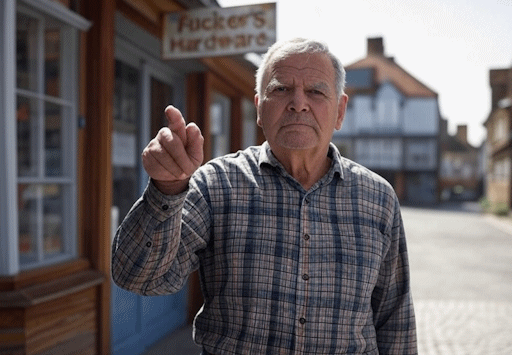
(305, 277)
(306, 236)
(306, 200)
(148, 244)
(302, 320)
(165, 207)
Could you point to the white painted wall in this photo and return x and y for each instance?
(421, 116)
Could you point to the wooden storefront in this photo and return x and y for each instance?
(66, 306)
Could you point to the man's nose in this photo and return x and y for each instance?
(298, 101)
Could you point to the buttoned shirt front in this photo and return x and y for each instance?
(283, 270)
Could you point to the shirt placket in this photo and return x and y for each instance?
(303, 282)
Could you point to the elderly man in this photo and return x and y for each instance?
(300, 251)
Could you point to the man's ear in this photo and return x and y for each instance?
(256, 103)
(342, 109)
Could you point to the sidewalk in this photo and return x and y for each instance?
(178, 343)
(464, 327)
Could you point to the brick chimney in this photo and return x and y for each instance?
(462, 133)
(375, 46)
(498, 80)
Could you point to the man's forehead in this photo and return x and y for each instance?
(305, 64)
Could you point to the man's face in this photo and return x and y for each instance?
(299, 108)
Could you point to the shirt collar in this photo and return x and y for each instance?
(268, 158)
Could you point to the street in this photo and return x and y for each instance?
(461, 272)
(461, 275)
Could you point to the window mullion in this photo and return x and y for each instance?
(40, 101)
(41, 139)
(9, 255)
(40, 223)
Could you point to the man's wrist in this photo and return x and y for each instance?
(171, 187)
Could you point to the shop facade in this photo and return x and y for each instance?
(84, 86)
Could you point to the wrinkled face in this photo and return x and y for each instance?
(299, 108)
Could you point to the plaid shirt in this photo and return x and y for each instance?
(283, 270)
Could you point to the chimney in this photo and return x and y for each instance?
(462, 133)
(375, 46)
(498, 80)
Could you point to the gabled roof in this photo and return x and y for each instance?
(386, 70)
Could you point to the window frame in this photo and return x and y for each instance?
(70, 25)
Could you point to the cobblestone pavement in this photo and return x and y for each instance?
(464, 327)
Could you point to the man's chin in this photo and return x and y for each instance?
(297, 142)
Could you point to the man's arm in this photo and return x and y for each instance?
(146, 244)
(146, 256)
(391, 300)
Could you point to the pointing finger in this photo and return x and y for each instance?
(176, 123)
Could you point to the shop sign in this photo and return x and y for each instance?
(211, 32)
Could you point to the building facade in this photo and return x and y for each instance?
(461, 177)
(392, 125)
(83, 89)
(499, 140)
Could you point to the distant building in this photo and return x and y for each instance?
(460, 177)
(392, 125)
(499, 139)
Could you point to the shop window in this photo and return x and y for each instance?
(125, 145)
(220, 118)
(421, 154)
(379, 153)
(45, 121)
(249, 126)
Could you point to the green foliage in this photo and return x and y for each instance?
(501, 209)
(485, 205)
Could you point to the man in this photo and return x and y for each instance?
(300, 251)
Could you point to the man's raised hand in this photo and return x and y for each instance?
(174, 154)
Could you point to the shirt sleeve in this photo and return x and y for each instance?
(392, 304)
(149, 254)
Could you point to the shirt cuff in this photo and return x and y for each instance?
(163, 206)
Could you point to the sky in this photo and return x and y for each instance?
(449, 45)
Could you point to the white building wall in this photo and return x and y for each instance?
(421, 116)
(387, 108)
(358, 117)
(379, 153)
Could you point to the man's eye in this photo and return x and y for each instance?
(280, 89)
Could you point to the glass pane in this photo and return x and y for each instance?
(125, 151)
(250, 128)
(125, 189)
(27, 126)
(53, 140)
(52, 219)
(26, 52)
(126, 94)
(161, 96)
(52, 59)
(27, 219)
(220, 118)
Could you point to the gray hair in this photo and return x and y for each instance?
(283, 49)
